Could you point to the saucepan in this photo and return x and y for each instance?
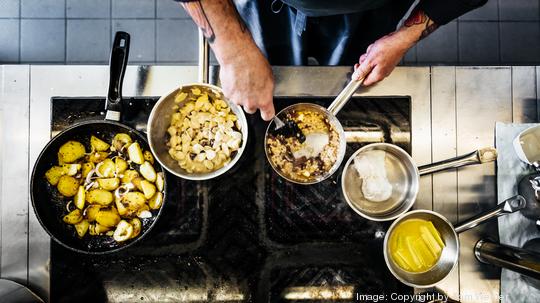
(400, 174)
(160, 121)
(296, 169)
(49, 205)
(449, 234)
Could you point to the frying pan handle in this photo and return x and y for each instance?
(484, 155)
(117, 66)
(508, 206)
(345, 95)
(204, 58)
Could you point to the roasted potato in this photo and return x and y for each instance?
(129, 175)
(109, 184)
(148, 156)
(70, 152)
(99, 196)
(137, 182)
(98, 144)
(121, 165)
(73, 217)
(91, 212)
(148, 171)
(53, 174)
(67, 186)
(148, 189)
(123, 231)
(120, 141)
(82, 228)
(97, 157)
(86, 168)
(134, 199)
(160, 182)
(156, 201)
(137, 227)
(79, 198)
(135, 153)
(71, 169)
(107, 218)
(97, 229)
(106, 168)
(144, 212)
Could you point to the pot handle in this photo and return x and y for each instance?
(508, 206)
(345, 95)
(484, 155)
(204, 59)
(117, 67)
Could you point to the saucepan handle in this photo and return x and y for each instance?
(508, 206)
(117, 66)
(345, 95)
(204, 58)
(483, 155)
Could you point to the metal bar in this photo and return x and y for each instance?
(523, 261)
(204, 58)
(524, 103)
(483, 96)
(14, 199)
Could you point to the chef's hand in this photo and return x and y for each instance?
(247, 80)
(383, 55)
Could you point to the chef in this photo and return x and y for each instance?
(247, 36)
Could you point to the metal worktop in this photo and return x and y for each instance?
(454, 110)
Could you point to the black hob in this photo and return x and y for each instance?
(247, 235)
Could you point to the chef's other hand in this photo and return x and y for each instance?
(247, 80)
(383, 55)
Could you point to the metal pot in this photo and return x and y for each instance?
(330, 114)
(403, 175)
(449, 234)
(160, 117)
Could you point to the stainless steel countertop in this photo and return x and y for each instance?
(454, 110)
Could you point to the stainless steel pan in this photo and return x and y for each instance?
(404, 176)
(449, 234)
(160, 117)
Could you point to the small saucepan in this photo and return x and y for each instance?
(297, 169)
(449, 235)
(402, 174)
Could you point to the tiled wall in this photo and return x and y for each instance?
(81, 31)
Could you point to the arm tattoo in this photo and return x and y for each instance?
(418, 17)
(196, 11)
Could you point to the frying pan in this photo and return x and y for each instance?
(449, 234)
(48, 204)
(404, 176)
(330, 114)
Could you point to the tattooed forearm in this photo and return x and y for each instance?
(196, 11)
(419, 18)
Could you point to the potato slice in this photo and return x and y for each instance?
(134, 199)
(129, 175)
(106, 168)
(107, 218)
(147, 171)
(82, 228)
(137, 227)
(135, 153)
(80, 197)
(90, 213)
(109, 184)
(68, 186)
(160, 182)
(97, 157)
(86, 168)
(70, 152)
(97, 229)
(121, 207)
(73, 217)
(99, 196)
(120, 140)
(123, 231)
(53, 174)
(148, 156)
(148, 189)
(71, 169)
(144, 212)
(156, 201)
(98, 144)
(121, 165)
(137, 182)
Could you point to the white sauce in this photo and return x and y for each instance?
(313, 146)
(372, 170)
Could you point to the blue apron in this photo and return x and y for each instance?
(334, 32)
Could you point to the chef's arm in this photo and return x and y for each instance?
(383, 55)
(246, 76)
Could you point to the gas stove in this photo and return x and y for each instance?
(248, 235)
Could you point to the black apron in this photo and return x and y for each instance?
(336, 35)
